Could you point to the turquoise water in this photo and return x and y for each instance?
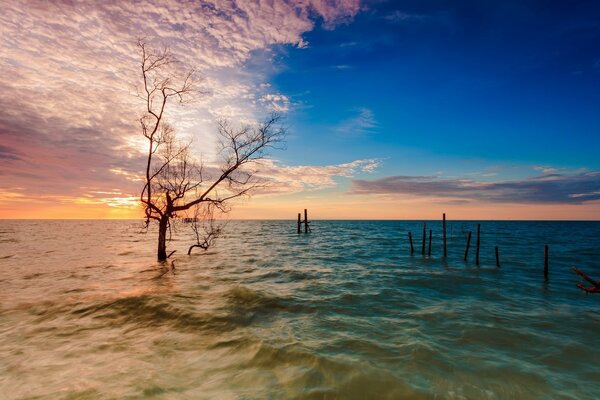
(343, 313)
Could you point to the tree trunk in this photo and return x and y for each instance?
(162, 238)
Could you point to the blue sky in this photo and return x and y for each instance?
(454, 87)
(395, 109)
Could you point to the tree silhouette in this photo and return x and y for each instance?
(175, 181)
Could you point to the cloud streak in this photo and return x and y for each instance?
(544, 189)
(283, 179)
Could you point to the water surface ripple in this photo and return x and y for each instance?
(343, 313)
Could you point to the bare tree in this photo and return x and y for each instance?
(205, 227)
(174, 180)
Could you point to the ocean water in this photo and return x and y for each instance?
(342, 313)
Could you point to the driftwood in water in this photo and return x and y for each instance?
(595, 288)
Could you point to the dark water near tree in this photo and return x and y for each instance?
(342, 313)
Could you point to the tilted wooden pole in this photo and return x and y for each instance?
(468, 245)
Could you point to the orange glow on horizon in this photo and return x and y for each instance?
(320, 207)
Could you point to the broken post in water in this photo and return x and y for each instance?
(412, 249)
(424, 238)
(444, 229)
(306, 229)
(546, 262)
(429, 251)
(468, 245)
(305, 222)
(477, 245)
(497, 257)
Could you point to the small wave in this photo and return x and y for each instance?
(246, 299)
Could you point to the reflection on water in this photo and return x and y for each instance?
(342, 313)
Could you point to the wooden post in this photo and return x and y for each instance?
(478, 242)
(546, 262)
(305, 221)
(412, 249)
(424, 238)
(299, 223)
(429, 251)
(497, 258)
(444, 228)
(468, 245)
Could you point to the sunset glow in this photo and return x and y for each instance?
(496, 119)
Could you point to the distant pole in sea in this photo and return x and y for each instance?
(497, 257)
(444, 229)
(412, 249)
(429, 251)
(424, 237)
(477, 246)
(546, 262)
(299, 223)
(305, 221)
(468, 245)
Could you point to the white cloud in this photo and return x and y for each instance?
(283, 179)
(68, 111)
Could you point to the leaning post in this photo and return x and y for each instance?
(412, 249)
(468, 245)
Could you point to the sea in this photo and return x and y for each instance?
(343, 312)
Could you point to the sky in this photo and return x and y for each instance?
(394, 109)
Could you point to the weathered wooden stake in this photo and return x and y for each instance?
(497, 258)
(412, 249)
(545, 262)
(468, 245)
(444, 228)
(478, 242)
(299, 223)
(424, 238)
(429, 251)
(305, 221)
